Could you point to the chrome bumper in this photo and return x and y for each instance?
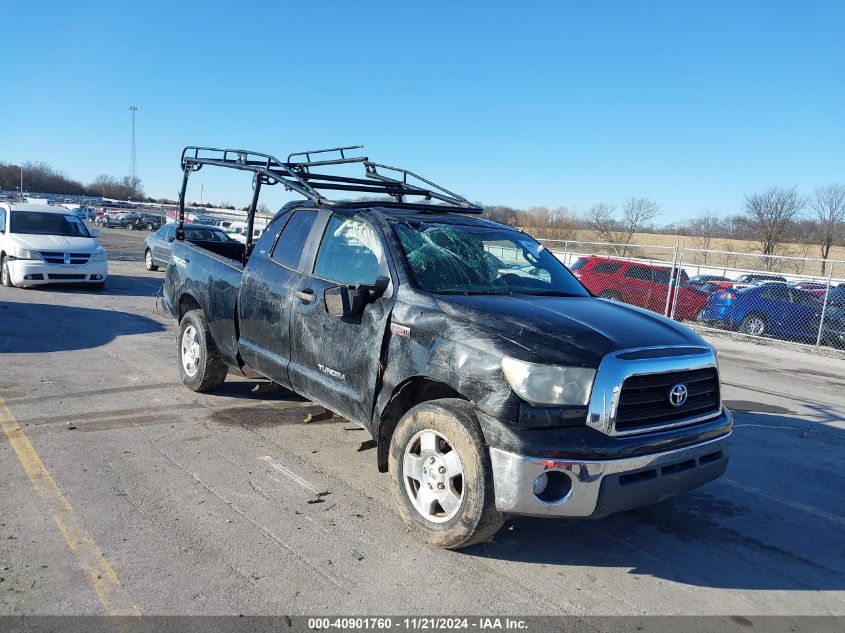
(598, 488)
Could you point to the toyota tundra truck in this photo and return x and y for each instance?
(491, 380)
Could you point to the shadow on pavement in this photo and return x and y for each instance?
(774, 521)
(30, 328)
(116, 285)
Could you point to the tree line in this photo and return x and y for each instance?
(770, 220)
(42, 178)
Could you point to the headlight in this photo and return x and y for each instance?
(98, 256)
(549, 384)
(24, 253)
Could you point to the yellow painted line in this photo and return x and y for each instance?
(89, 556)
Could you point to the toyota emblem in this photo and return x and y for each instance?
(678, 395)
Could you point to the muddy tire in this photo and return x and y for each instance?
(200, 364)
(148, 261)
(6, 273)
(441, 476)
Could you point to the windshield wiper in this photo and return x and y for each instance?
(551, 293)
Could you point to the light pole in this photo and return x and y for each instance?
(21, 181)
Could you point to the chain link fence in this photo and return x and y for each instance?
(787, 298)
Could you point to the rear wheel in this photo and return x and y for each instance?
(150, 226)
(753, 324)
(148, 261)
(200, 364)
(6, 273)
(612, 295)
(130, 226)
(441, 476)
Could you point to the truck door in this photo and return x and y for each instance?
(336, 360)
(266, 295)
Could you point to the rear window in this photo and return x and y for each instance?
(578, 265)
(288, 250)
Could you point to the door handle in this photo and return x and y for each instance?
(306, 294)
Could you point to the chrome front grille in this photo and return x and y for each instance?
(56, 257)
(631, 393)
(644, 400)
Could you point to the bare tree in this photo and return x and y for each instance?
(601, 220)
(767, 218)
(828, 218)
(551, 224)
(702, 229)
(637, 214)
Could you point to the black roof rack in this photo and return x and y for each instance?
(296, 174)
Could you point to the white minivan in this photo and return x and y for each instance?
(40, 244)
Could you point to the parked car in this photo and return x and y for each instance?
(144, 222)
(486, 392)
(87, 214)
(40, 244)
(769, 309)
(749, 279)
(112, 219)
(705, 282)
(239, 233)
(643, 285)
(157, 246)
(813, 287)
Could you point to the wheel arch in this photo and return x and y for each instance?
(187, 302)
(408, 394)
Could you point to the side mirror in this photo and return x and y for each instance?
(95, 232)
(350, 301)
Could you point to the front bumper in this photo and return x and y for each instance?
(595, 488)
(32, 272)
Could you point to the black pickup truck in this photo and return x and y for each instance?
(490, 378)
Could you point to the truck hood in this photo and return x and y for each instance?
(568, 330)
(56, 243)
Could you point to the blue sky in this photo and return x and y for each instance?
(524, 103)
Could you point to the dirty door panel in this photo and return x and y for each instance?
(335, 360)
(266, 297)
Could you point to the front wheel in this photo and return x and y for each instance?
(6, 273)
(441, 476)
(200, 364)
(148, 261)
(131, 227)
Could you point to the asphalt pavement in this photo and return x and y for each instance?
(123, 492)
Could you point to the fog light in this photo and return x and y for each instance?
(552, 486)
(540, 484)
(96, 277)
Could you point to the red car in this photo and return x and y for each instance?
(640, 284)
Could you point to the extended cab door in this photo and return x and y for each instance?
(266, 295)
(335, 361)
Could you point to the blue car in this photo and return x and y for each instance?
(770, 309)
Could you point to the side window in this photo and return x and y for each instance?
(608, 268)
(160, 233)
(288, 250)
(639, 272)
(350, 253)
(776, 293)
(2, 220)
(171, 231)
(661, 276)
